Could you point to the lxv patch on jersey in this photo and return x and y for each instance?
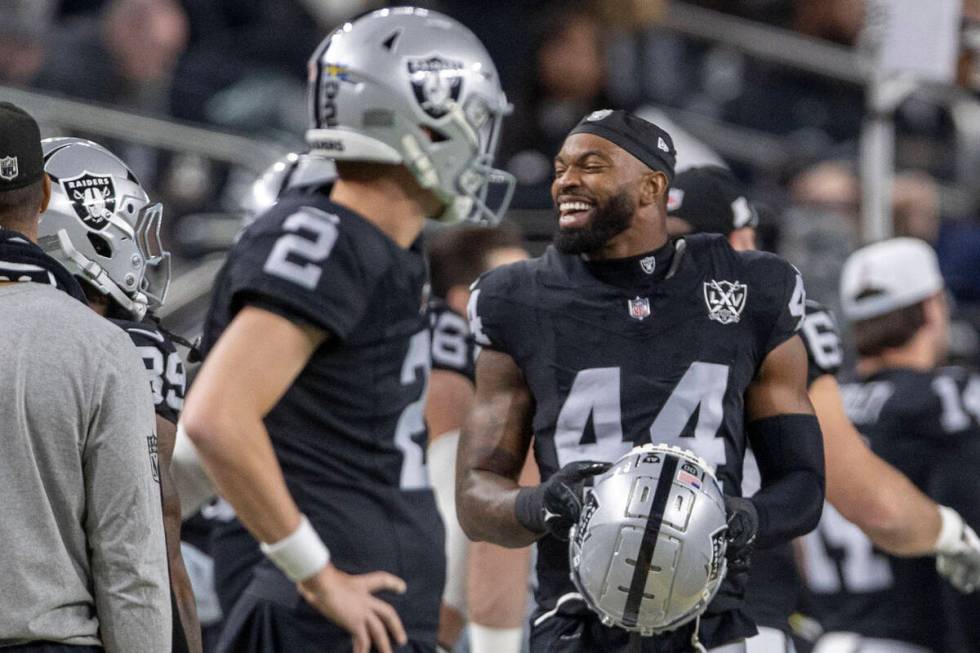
(725, 300)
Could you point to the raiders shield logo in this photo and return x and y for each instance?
(152, 444)
(93, 198)
(725, 300)
(8, 168)
(436, 82)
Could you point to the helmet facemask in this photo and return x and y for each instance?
(156, 276)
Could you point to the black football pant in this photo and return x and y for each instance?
(271, 617)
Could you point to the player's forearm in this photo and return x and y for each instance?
(194, 487)
(789, 450)
(865, 489)
(238, 455)
(180, 582)
(485, 506)
(883, 503)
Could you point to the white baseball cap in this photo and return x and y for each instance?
(888, 275)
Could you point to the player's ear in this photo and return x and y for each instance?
(654, 188)
(46, 197)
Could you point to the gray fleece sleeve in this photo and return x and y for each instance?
(123, 521)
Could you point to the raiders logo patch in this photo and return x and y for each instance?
(152, 445)
(725, 300)
(93, 197)
(718, 546)
(436, 82)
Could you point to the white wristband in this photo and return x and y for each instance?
(950, 540)
(300, 554)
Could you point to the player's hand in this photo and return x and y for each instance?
(349, 602)
(555, 505)
(743, 525)
(958, 552)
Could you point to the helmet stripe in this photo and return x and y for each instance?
(649, 543)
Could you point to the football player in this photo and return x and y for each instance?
(308, 408)
(618, 335)
(862, 487)
(102, 227)
(486, 585)
(924, 420)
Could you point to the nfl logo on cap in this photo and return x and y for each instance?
(8, 168)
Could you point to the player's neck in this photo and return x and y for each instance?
(28, 231)
(917, 355)
(385, 203)
(642, 237)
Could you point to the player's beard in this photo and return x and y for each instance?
(609, 220)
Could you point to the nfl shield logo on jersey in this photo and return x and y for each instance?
(639, 308)
(8, 168)
(725, 300)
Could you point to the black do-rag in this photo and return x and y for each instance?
(711, 200)
(644, 140)
(21, 160)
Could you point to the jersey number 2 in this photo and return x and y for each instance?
(297, 258)
(410, 430)
(595, 395)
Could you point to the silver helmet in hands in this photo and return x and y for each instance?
(648, 552)
(102, 226)
(413, 87)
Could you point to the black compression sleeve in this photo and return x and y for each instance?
(789, 450)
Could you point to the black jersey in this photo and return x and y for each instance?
(452, 348)
(660, 359)
(163, 364)
(775, 586)
(926, 424)
(349, 432)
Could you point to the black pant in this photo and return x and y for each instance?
(271, 617)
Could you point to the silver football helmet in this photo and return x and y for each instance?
(413, 87)
(648, 553)
(101, 225)
(291, 171)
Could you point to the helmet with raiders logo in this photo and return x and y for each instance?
(648, 552)
(413, 87)
(101, 225)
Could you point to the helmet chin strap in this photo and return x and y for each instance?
(95, 274)
(695, 640)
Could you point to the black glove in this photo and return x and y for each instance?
(555, 505)
(743, 524)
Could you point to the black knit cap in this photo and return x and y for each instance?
(711, 200)
(21, 160)
(641, 138)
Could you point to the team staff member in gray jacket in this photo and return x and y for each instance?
(83, 564)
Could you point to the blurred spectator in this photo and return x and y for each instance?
(246, 65)
(123, 55)
(24, 25)
(823, 226)
(839, 21)
(564, 81)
